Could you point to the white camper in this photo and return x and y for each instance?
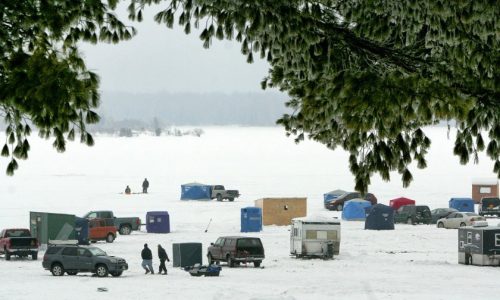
(315, 237)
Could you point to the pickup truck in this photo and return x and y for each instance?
(489, 206)
(219, 193)
(123, 225)
(99, 231)
(18, 241)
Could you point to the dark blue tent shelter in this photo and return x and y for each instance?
(462, 204)
(196, 191)
(157, 222)
(354, 210)
(251, 219)
(379, 217)
(327, 197)
(82, 230)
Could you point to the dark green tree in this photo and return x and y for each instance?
(367, 75)
(43, 80)
(362, 75)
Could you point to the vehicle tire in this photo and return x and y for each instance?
(256, 264)
(463, 224)
(57, 269)
(125, 230)
(231, 199)
(440, 225)
(409, 221)
(101, 270)
(340, 207)
(116, 274)
(7, 254)
(110, 238)
(210, 259)
(219, 197)
(34, 256)
(93, 242)
(230, 262)
(71, 273)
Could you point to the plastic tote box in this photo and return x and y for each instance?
(186, 254)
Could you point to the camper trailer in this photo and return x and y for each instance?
(479, 245)
(315, 237)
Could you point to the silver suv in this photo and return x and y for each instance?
(73, 259)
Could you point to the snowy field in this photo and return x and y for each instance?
(411, 262)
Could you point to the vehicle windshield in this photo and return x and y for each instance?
(97, 252)
(490, 202)
(18, 233)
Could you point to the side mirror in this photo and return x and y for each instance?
(211, 244)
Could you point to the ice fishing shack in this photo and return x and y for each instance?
(315, 237)
(479, 245)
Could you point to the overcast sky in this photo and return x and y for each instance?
(160, 59)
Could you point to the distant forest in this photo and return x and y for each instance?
(149, 111)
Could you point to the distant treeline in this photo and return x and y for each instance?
(150, 111)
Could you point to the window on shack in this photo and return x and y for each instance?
(321, 234)
(485, 190)
(469, 237)
(497, 240)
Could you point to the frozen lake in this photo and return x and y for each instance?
(408, 263)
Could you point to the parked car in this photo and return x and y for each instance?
(100, 231)
(489, 206)
(459, 219)
(73, 259)
(124, 225)
(219, 192)
(338, 203)
(413, 214)
(440, 213)
(18, 241)
(235, 250)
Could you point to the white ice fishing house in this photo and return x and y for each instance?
(315, 236)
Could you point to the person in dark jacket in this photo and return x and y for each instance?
(145, 185)
(147, 259)
(162, 255)
(127, 190)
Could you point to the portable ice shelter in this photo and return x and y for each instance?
(315, 237)
(186, 254)
(50, 226)
(401, 201)
(281, 211)
(327, 197)
(484, 187)
(462, 204)
(251, 219)
(82, 230)
(157, 222)
(478, 245)
(354, 210)
(379, 217)
(196, 191)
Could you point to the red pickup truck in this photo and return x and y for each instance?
(18, 241)
(99, 230)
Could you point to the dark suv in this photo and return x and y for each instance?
(235, 250)
(338, 203)
(73, 259)
(413, 214)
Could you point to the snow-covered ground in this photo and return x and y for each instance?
(411, 262)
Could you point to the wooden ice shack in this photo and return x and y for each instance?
(484, 187)
(281, 211)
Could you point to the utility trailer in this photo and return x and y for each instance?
(315, 237)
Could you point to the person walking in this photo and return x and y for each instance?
(147, 259)
(145, 185)
(162, 255)
(127, 190)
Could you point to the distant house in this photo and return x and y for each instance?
(484, 188)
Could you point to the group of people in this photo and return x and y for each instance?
(147, 259)
(145, 186)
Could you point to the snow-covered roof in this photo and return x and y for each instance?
(358, 200)
(487, 181)
(336, 192)
(317, 218)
